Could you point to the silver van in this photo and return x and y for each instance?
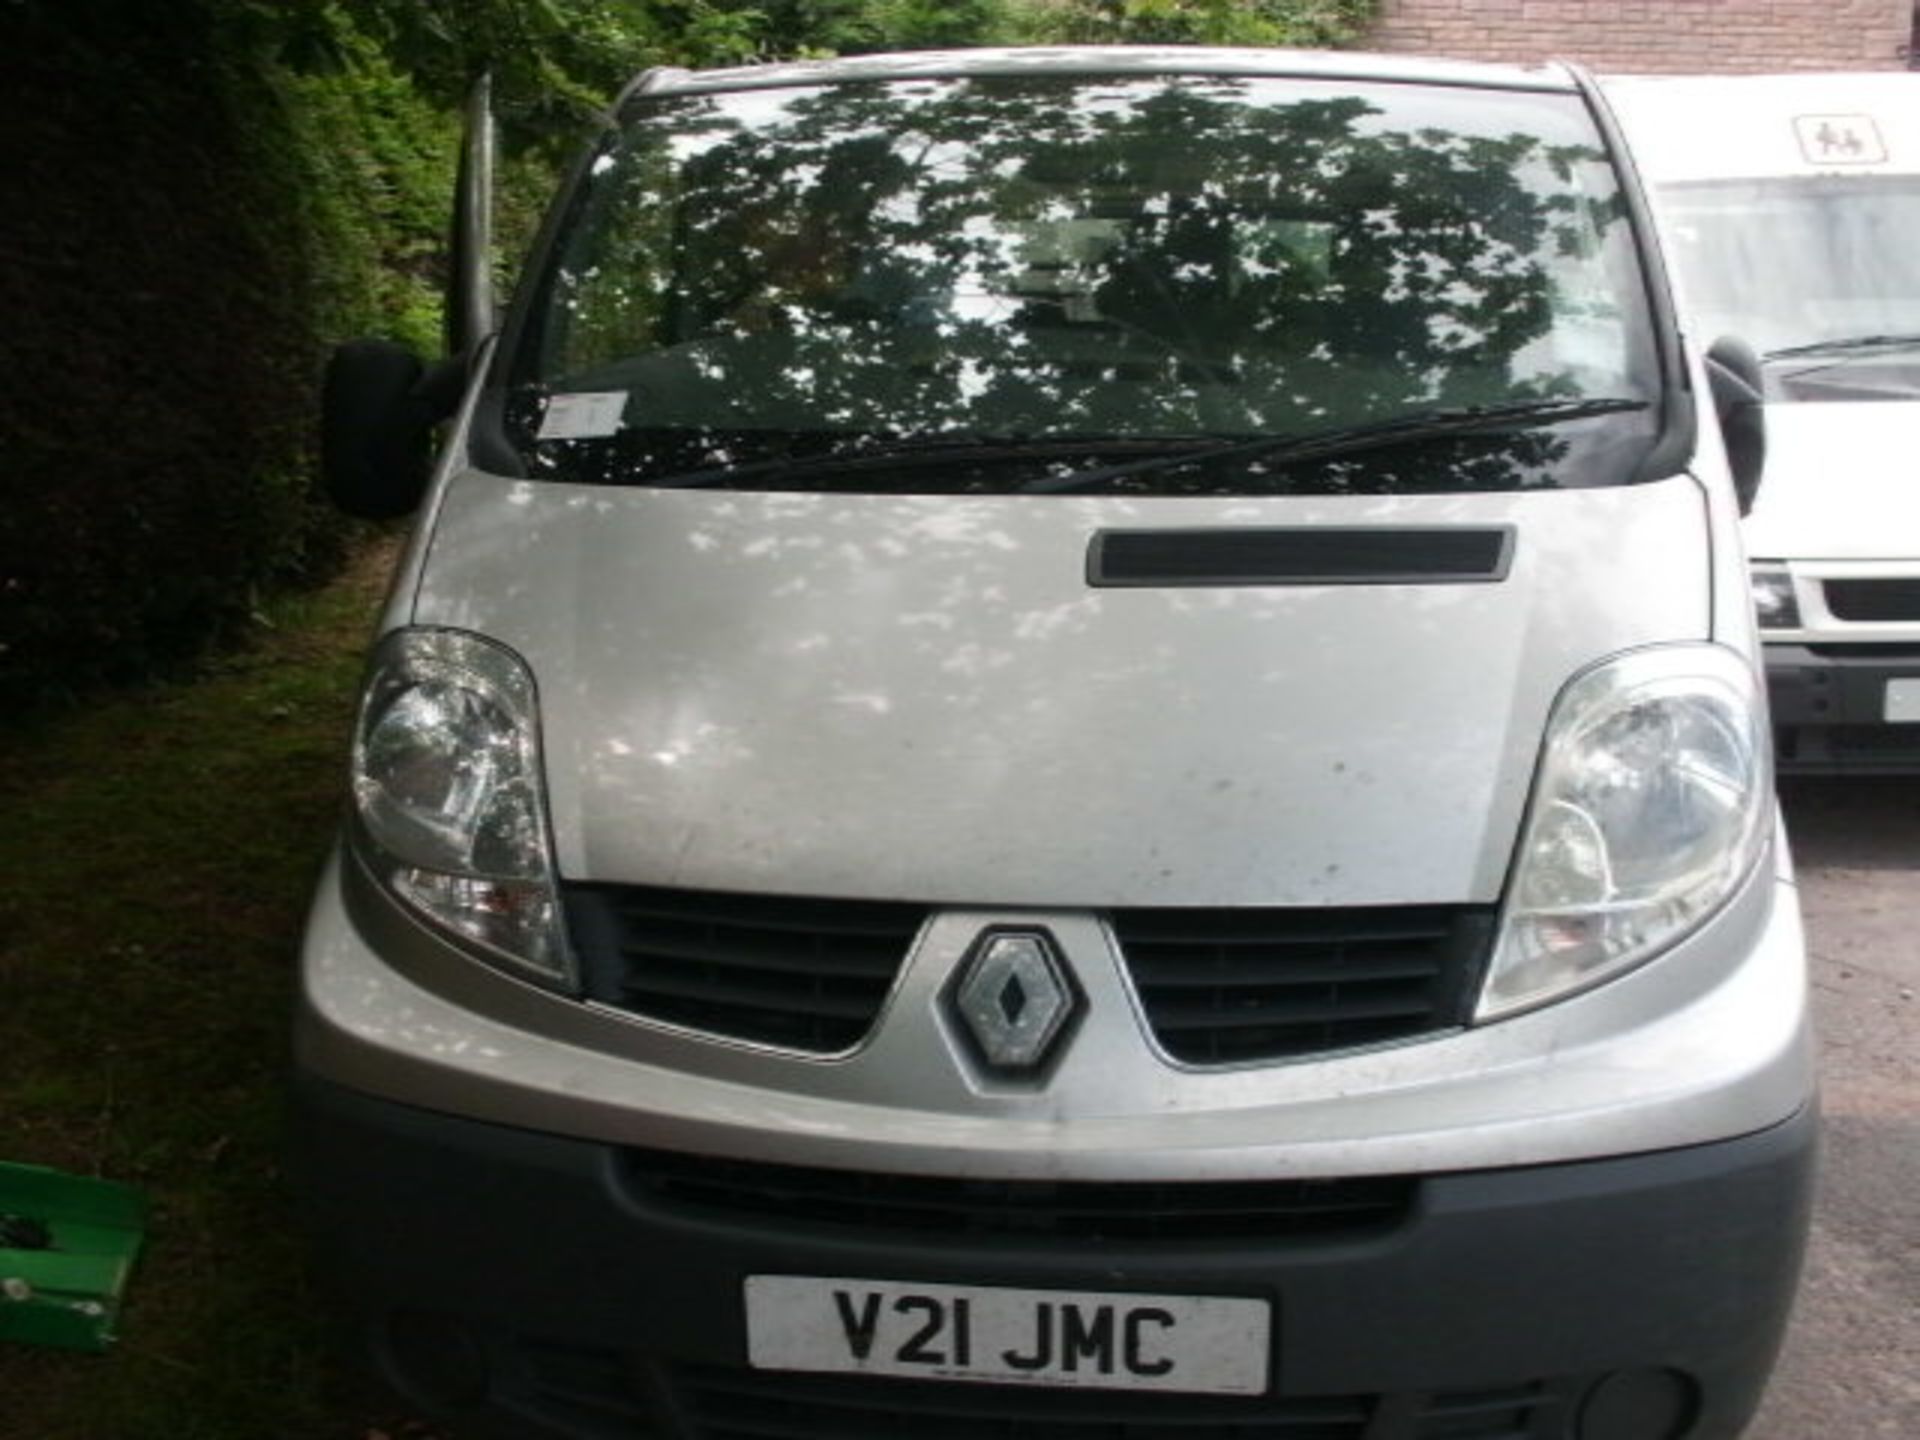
(1071, 749)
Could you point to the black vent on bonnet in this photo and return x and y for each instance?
(1308, 555)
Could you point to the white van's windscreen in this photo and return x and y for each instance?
(1000, 283)
(1820, 273)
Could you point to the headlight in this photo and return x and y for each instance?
(1649, 809)
(449, 798)
(1773, 600)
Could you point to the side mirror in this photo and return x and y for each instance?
(378, 409)
(1739, 399)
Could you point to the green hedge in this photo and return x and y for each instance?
(196, 223)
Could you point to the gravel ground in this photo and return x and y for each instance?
(1851, 1369)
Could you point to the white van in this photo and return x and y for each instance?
(1072, 747)
(1790, 209)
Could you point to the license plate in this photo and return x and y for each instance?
(1903, 702)
(1206, 1345)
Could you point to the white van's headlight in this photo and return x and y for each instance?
(1774, 604)
(1649, 809)
(448, 793)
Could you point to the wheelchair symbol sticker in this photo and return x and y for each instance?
(1840, 140)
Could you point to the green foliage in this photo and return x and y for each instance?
(194, 245)
(852, 27)
(556, 62)
(360, 175)
(1195, 22)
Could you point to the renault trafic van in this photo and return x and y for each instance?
(1791, 210)
(1071, 748)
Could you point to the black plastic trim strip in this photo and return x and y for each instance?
(1301, 555)
(1674, 450)
(487, 444)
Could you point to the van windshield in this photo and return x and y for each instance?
(1807, 261)
(1047, 271)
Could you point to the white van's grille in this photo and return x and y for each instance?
(1874, 599)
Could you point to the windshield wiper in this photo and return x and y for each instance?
(1846, 345)
(928, 450)
(1353, 439)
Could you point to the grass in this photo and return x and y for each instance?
(158, 851)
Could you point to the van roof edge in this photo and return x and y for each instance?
(1106, 59)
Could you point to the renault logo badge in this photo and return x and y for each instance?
(1014, 997)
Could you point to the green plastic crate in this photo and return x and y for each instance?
(67, 1244)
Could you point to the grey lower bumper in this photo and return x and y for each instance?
(1829, 708)
(519, 1284)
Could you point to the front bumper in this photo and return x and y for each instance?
(1829, 705)
(518, 1285)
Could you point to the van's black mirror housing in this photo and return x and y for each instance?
(380, 404)
(1739, 399)
(378, 409)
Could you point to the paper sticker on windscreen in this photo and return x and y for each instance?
(590, 416)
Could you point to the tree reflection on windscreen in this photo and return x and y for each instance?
(791, 271)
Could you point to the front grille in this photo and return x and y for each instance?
(1516, 1414)
(1078, 1210)
(735, 1404)
(1867, 652)
(1874, 741)
(1221, 986)
(1838, 749)
(732, 1404)
(618, 1395)
(800, 973)
(1874, 599)
(585, 1390)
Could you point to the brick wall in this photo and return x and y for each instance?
(1657, 35)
